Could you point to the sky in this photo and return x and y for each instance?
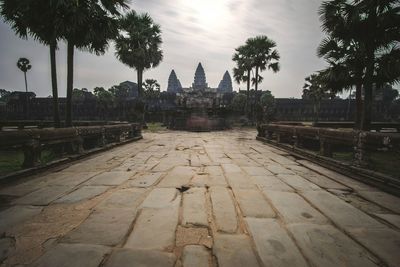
(193, 31)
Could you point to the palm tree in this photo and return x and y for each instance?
(24, 65)
(242, 71)
(264, 55)
(373, 28)
(138, 44)
(314, 90)
(88, 25)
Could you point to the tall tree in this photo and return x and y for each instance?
(242, 71)
(24, 65)
(139, 44)
(264, 55)
(373, 27)
(88, 25)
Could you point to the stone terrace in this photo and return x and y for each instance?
(197, 199)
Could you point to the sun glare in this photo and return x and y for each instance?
(208, 13)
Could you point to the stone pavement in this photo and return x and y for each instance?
(197, 199)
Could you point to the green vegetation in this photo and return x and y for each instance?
(155, 127)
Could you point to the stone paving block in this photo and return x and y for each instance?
(231, 168)
(178, 176)
(123, 198)
(278, 169)
(223, 210)
(294, 209)
(73, 255)
(147, 179)
(150, 258)
(70, 178)
(110, 178)
(195, 256)
(7, 247)
(155, 228)
(246, 162)
(256, 171)
(385, 243)
(383, 199)
(297, 182)
(43, 196)
(341, 213)
(253, 204)
(103, 227)
(234, 251)
(393, 219)
(324, 245)
(324, 182)
(214, 170)
(82, 193)
(239, 180)
(15, 215)
(270, 183)
(273, 244)
(194, 207)
(160, 198)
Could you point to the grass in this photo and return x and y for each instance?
(155, 127)
(12, 160)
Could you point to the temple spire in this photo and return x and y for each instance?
(174, 85)
(225, 86)
(200, 82)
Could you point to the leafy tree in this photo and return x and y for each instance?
(24, 65)
(4, 94)
(119, 92)
(138, 44)
(264, 56)
(242, 71)
(105, 98)
(268, 106)
(239, 103)
(151, 89)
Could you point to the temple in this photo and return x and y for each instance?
(174, 85)
(200, 82)
(225, 86)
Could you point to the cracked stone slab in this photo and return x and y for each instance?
(15, 215)
(383, 199)
(43, 196)
(178, 176)
(71, 179)
(239, 180)
(294, 209)
(271, 183)
(278, 169)
(253, 204)
(393, 219)
(297, 182)
(273, 244)
(7, 247)
(123, 198)
(224, 210)
(194, 207)
(110, 178)
(73, 255)
(256, 171)
(103, 227)
(234, 251)
(82, 193)
(146, 180)
(324, 182)
(195, 256)
(324, 245)
(160, 198)
(231, 168)
(155, 228)
(129, 257)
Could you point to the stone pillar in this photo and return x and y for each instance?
(31, 154)
(361, 157)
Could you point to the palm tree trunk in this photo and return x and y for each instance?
(140, 82)
(248, 91)
(26, 97)
(256, 84)
(56, 112)
(367, 107)
(359, 105)
(70, 81)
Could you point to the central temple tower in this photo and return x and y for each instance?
(200, 82)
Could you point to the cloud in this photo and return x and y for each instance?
(192, 31)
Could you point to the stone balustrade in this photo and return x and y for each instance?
(75, 140)
(360, 142)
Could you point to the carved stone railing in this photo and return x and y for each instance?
(40, 124)
(75, 140)
(360, 142)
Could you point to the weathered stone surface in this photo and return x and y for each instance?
(130, 257)
(7, 246)
(341, 213)
(273, 244)
(214, 170)
(146, 180)
(234, 251)
(231, 168)
(278, 169)
(194, 207)
(103, 227)
(73, 255)
(385, 243)
(123, 198)
(180, 175)
(239, 180)
(15, 215)
(383, 199)
(82, 193)
(253, 204)
(393, 219)
(195, 256)
(298, 182)
(155, 228)
(270, 183)
(223, 209)
(203, 179)
(111, 178)
(256, 171)
(324, 245)
(324, 182)
(43, 196)
(160, 198)
(70, 178)
(294, 209)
